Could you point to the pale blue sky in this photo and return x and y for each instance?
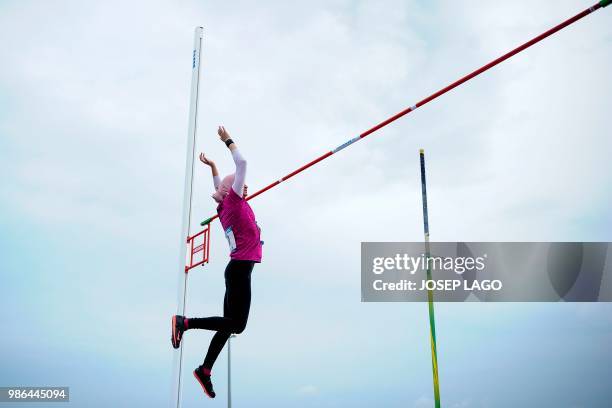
(93, 117)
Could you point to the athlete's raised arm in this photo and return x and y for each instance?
(241, 164)
(213, 168)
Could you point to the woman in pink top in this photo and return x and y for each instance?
(243, 235)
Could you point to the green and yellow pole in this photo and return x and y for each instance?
(430, 300)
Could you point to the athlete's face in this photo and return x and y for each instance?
(244, 191)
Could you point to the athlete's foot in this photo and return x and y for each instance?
(203, 377)
(178, 327)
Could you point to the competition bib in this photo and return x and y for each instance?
(231, 240)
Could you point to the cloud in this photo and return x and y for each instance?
(119, 96)
(307, 390)
(462, 404)
(93, 116)
(423, 402)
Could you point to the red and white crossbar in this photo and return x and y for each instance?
(430, 98)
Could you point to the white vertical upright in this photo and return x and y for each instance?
(229, 371)
(176, 397)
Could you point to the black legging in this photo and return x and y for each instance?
(236, 305)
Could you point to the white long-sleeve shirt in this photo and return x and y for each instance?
(240, 175)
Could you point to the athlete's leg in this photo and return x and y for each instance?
(236, 307)
(203, 372)
(237, 301)
(219, 339)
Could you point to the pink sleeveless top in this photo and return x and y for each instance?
(240, 227)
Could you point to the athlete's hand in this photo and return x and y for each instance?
(206, 160)
(223, 135)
